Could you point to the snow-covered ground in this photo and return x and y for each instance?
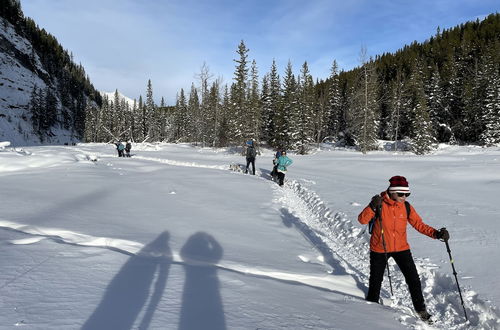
(172, 239)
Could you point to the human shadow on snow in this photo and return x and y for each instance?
(290, 220)
(202, 306)
(128, 292)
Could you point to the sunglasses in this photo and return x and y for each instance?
(403, 194)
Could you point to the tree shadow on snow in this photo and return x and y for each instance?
(290, 220)
(127, 294)
(201, 301)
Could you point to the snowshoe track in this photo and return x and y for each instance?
(348, 248)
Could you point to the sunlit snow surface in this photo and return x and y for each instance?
(173, 239)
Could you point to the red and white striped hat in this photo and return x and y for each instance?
(398, 184)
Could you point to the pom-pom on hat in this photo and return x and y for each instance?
(398, 184)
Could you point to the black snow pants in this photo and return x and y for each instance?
(251, 160)
(405, 262)
(281, 178)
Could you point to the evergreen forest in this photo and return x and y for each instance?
(446, 89)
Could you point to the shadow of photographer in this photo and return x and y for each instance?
(202, 306)
(127, 294)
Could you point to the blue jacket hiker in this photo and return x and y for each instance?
(283, 162)
(120, 148)
(274, 172)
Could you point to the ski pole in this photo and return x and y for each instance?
(456, 279)
(386, 260)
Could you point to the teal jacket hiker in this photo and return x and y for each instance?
(283, 162)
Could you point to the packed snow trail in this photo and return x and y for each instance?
(348, 249)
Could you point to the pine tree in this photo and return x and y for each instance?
(303, 134)
(491, 117)
(422, 132)
(213, 114)
(265, 113)
(436, 107)
(363, 117)
(286, 120)
(333, 114)
(151, 126)
(36, 108)
(272, 102)
(206, 113)
(142, 120)
(194, 119)
(398, 108)
(223, 137)
(252, 128)
(239, 115)
(181, 118)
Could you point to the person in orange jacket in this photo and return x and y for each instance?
(389, 213)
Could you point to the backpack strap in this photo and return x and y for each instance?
(372, 221)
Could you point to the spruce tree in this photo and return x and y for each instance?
(239, 115)
(252, 128)
(272, 108)
(286, 117)
(333, 114)
(181, 118)
(491, 117)
(422, 132)
(302, 137)
(398, 107)
(363, 116)
(151, 128)
(194, 119)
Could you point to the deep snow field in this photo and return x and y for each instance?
(173, 239)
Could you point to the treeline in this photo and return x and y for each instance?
(65, 81)
(140, 122)
(443, 90)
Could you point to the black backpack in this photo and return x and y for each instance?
(372, 221)
(251, 153)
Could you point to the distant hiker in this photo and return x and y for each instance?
(250, 155)
(274, 172)
(283, 162)
(120, 147)
(128, 147)
(391, 214)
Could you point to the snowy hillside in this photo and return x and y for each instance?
(16, 82)
(21, 70)
(172, 239)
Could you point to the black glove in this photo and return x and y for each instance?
(376, 202)
(442, 234)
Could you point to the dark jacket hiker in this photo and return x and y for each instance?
(250, 156)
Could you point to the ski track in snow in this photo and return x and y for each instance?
(344, 248)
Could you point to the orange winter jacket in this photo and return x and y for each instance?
(394, 220)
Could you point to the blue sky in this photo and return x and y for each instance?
(123, 43)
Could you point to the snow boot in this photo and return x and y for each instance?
(425, 316)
